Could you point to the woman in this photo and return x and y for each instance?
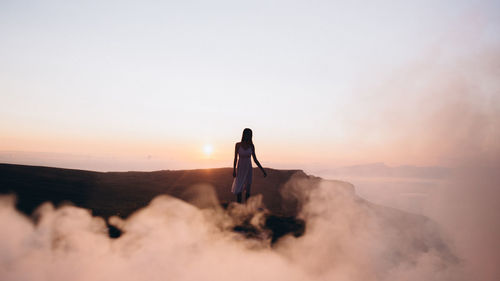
(243, 175)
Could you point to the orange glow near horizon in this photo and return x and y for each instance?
(185, 154)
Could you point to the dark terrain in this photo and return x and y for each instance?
(121, 193)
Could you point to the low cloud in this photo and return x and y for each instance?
(346, 238)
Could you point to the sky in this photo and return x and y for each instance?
(127, 85)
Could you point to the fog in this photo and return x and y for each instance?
(346, 239)
(443, 110)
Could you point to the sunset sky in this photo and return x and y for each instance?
(144, 85)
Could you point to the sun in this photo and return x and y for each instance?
(208, 149)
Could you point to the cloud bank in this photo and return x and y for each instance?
(346, 238)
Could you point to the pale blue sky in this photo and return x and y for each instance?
(159, 77)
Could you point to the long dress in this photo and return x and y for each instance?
(243, 178)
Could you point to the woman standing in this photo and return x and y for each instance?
(243, 175)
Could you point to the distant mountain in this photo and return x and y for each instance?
(381, 170)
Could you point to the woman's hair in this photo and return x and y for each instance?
(247, 136)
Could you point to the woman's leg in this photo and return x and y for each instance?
(238, 197)
(247, 192)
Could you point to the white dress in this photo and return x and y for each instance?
(243, 178)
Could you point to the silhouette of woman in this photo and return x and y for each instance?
(243, 175)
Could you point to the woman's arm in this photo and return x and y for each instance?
(235, 158)
(257, 161)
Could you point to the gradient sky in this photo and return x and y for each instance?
(120, 85)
